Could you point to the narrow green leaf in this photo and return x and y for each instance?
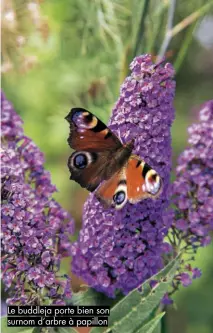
(130, 313)
(92, 297)
(46, 329)
(191, 18)
(55, 329)
(151, 325)
(136, 307)
(141, 29)
(36, 330)
(25, 330)
(66, 330)
(155, 29)
(6, 329)
(184, 47)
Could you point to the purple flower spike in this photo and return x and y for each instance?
(120, 249)
(33, 224)
(193, 194)
(193, 188)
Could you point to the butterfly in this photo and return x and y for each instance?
(100, 161)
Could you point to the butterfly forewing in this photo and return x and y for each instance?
(89, 133)
(95, 158)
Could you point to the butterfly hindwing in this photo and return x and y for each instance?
(134, 182)
(113, 192)
(88, 133)
(142, 181)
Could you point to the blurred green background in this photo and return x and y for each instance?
(60, 54)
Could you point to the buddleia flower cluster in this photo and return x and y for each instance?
(193, 195)
(119, 250)
(35, 228)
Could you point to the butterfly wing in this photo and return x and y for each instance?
(101, 156)
(90, 169)
(88, 133)
(113, 192)
(142, 181)
(95, 157)
(134, 182)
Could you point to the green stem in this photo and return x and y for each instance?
(159, 20)
(141, 27)
(168, 37)
(185, 45)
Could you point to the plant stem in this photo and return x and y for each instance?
(168, 36)
(190, 19)
(141, 27)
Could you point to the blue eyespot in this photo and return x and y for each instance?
(119, 197)
(76, 116)
(80, 161)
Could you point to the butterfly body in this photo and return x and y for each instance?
(101, 161)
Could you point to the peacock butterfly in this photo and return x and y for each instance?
(100, 161)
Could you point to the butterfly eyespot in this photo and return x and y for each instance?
(119, 197)
(154, 177)
(77, 115)
(153, 182)
(84, 120)
(80, 161)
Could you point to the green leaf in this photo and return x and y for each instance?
(56, 329)
(45, 329)
(130, 313)
(25, 330)
(141, 29)
(92, 297)
(66, 330)
(151, 325)
(184, 47)
(36, 329)
(6, 329)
